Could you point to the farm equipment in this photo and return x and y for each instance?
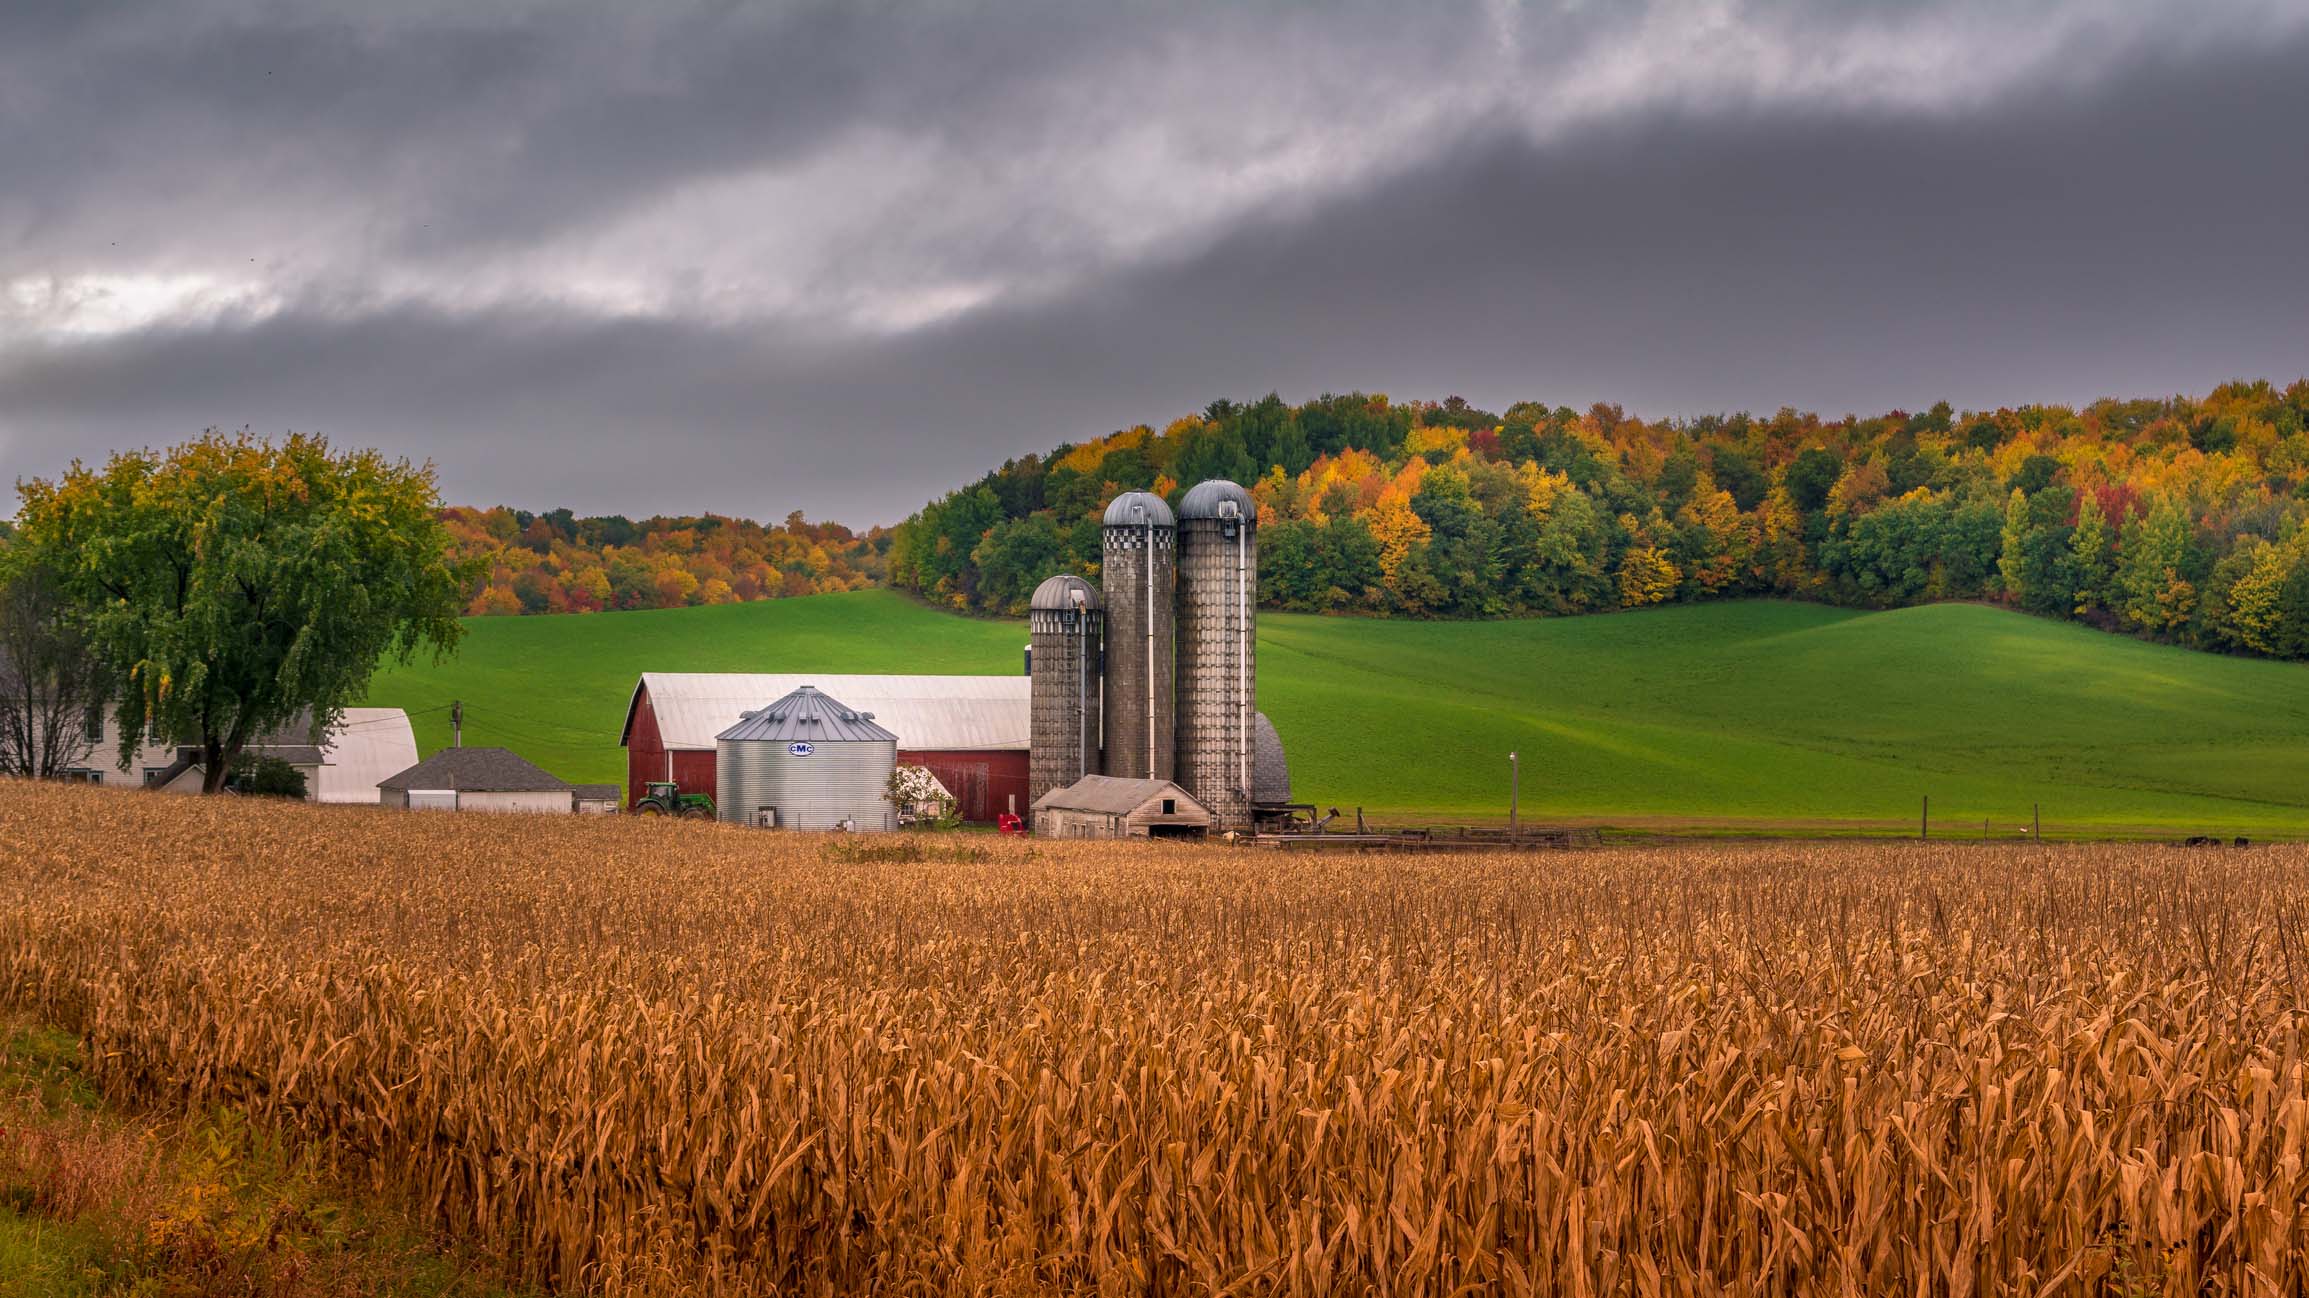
(664, 800)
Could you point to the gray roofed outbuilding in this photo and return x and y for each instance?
(1109, 793)
(476, 770)
(806, 715)
(1113, 806)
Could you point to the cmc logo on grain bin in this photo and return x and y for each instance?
(800, 750)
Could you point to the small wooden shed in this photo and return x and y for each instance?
(1110, 806)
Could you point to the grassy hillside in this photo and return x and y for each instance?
(554, 689)
(1723, 714)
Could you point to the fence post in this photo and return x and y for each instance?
(1924, 821)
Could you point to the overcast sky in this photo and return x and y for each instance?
(838, 258)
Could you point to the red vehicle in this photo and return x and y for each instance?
(1009, 823)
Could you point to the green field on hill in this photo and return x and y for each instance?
(1753, 714)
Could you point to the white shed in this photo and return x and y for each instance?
(478, 779)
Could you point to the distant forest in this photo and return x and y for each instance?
(556, 562)
(2178, 518)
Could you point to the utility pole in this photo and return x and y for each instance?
(1514, 789)
(456, 723)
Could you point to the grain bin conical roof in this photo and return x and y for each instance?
(807, 715)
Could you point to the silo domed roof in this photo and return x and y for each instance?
(1120, 512)
(1204, 498)
(1058, 593)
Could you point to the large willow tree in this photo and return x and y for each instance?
(233, 585)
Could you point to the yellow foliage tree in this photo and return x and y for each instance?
(1397, 529)
(1647, 576)
(1435, 443)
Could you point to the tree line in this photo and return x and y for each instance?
(559, 562)
(2178, 517)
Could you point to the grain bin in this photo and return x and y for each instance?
(1140, 554)
(1067, 626)
(1218, 591)
(805, 762)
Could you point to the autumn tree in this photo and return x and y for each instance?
(235, 585)
(1647, 576)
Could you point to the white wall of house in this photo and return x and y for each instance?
(372, 744)
(101, 765)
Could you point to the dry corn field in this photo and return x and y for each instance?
(631, 1057)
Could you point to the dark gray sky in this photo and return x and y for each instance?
(754, 258)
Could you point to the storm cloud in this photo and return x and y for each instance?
(838, 258)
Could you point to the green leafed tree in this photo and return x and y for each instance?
(2092, 557)
(234, 585)
(266, 777)
(2158, 570)
(2035, 563)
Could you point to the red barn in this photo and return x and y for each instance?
(970, 731)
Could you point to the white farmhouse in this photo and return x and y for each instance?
(365, 746)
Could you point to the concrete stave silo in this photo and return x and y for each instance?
(809, 761)
(1066, 624)
(1139, 554)
(1217, 649)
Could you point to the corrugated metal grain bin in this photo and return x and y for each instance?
(806, 762)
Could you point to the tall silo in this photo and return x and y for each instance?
(806, 762)
(1217, 679)
(1065, 623)
(1140, 557)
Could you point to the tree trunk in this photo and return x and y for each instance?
(214, 765)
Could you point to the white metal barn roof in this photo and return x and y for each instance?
(367, 746)
(927, 713)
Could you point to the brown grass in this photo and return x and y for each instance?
(649, 1058)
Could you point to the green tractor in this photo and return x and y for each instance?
(662, 800)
